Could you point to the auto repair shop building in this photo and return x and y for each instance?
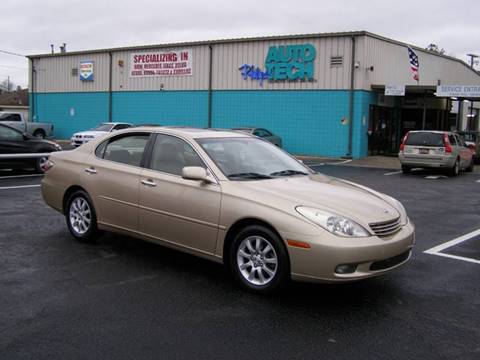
(332, 94)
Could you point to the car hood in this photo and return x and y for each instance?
(357, 202)
(91, 133)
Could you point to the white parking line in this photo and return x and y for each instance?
(436, 177)
(342, 162)
(437, 249)
(393, 173)
(19, 187)
(20, 176)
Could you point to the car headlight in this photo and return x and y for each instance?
(398, 205)
(334, 223)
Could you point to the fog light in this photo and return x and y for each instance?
(346, 268)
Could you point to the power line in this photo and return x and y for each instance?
(11, 53)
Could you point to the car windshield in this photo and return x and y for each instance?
(103, 127)
(251, 159)
(424, 139)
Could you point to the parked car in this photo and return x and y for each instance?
(83, 137)
(472, 139)
(262, 133)
(231, 198)
(18, 121)
(13, 141)
(435, 149)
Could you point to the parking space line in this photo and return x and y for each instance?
(437, 249)
(393, 173)
(20, 176)
(19, 187)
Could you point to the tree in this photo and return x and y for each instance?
(434, 48)
(7, 85)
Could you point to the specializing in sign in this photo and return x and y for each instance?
(86, 70)
(161, 63)
(467, 91)
(283, 63)
(394, 90)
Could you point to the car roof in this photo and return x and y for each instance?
(190, 132)
(430, 131)
(114, 123)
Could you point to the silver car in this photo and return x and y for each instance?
(262, 133)
(435, 149)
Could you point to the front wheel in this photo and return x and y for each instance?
(39, 134)
(40, 164)
(81, 217)
(259, 260)
(472, 164)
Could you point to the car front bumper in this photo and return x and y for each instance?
(370, 256)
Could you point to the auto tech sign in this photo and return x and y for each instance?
(161, 63)
(86, 70)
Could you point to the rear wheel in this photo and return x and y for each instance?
(406, 169)
(472, 164)
(81, 217)
(259, 260)
(455, 170)
(39, 133)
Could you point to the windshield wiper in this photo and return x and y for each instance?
(288, 173)
(249, 175)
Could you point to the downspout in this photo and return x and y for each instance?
(210, 86)
(351, 100)
(110, 88)
(32, 90)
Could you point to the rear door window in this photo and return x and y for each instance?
(452, 140)
(425, 139)
(125, 149)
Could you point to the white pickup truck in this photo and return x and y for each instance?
(18, 121)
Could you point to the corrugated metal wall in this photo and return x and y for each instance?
(391, 66)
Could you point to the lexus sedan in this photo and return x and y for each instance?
(230, 198)
(23, 148)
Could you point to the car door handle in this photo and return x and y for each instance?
(90, 170)
(149, 183)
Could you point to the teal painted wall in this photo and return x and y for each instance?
(309, 122)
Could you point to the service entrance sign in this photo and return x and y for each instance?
(161, 63)
(395, 90)
(464, 91)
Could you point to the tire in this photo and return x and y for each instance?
(455, 170)
(39, 164)
(259, 260)
(406, 169)
(39, 134)
(81, 217)
(472, 164)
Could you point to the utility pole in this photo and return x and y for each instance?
(8, 83)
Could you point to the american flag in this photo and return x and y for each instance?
(413, 63)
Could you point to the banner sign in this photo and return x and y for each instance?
(468, 91)
(161, 63)
(395, 90)
(86, 70)
(290, 63)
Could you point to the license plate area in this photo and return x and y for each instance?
(423, 151)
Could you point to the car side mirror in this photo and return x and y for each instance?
(195, 173)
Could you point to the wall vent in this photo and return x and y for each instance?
(336, 61)
(74, 71)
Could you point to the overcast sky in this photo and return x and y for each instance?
(30, 26)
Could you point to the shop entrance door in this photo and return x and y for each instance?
(382, 131)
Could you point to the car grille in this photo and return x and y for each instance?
(386, 228)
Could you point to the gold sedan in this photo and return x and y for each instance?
(230, 198)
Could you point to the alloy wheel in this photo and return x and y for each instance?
(257, 260)
(80, 215)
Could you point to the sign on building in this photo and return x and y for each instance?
(86, 70)
(161, 63)
(394, 90)
(467, 91)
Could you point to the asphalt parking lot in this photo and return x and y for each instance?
(126, 299)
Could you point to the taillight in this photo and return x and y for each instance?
(446, 143)
(48, 165)
(402, 144)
